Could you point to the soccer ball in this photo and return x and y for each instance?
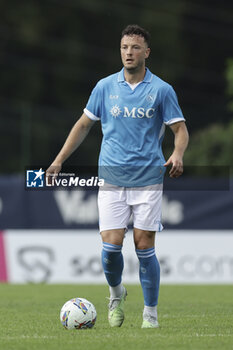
(78, 313)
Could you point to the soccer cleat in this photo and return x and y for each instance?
(150, 322)
(116, 310)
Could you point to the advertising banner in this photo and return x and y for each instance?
(71, 256)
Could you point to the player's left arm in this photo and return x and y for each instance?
(181, 138)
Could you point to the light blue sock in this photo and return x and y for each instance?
(149, 273)
(112, 261)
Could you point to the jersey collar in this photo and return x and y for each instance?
(147, 78)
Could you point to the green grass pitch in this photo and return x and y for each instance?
(190, 317)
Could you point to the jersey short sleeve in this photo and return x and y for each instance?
(94, 105)
(171, 111)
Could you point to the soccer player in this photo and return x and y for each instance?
(133, 107)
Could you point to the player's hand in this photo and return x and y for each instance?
(53, 172)
(177, 166)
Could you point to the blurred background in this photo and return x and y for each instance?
(52, 54)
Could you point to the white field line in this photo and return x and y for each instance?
(35, 336)
(195, 335)
(183, 316)
(209, 335)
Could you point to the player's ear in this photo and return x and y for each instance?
(147, 53)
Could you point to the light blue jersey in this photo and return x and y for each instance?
(133, 124)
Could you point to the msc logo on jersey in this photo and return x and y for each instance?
(133, 113)
(35, 178)
(115, 111)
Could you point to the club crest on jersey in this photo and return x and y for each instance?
(133, 113)
(150, 98)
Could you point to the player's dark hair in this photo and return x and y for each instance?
(134, 29)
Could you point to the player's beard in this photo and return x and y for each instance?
(134, 69)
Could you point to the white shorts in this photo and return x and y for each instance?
(117, 204)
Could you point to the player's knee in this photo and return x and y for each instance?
(113, 236)
(144, 239)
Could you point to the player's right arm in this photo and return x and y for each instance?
(74, 139)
